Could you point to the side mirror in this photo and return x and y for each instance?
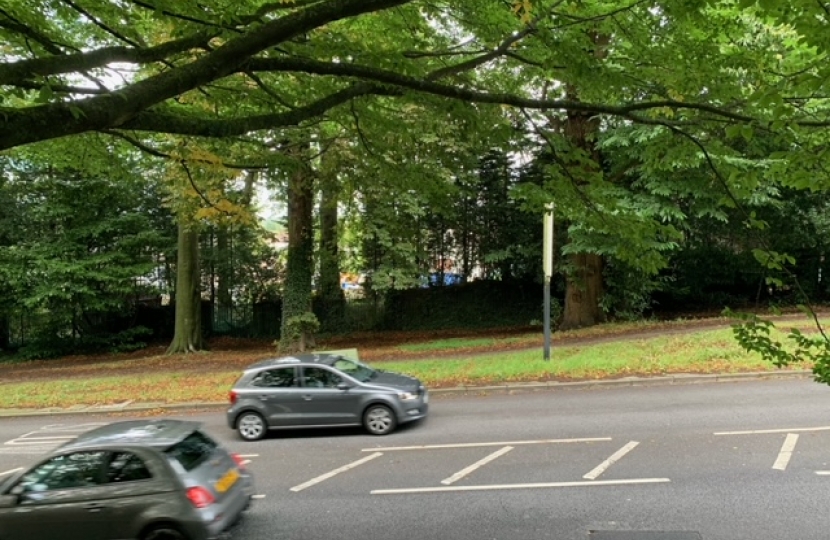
(10, 500)
(343, 386)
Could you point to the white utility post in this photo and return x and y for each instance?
(547, 265)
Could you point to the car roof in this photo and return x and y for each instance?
(327, 359)
(161, 433)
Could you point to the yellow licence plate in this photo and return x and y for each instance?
(225, 483)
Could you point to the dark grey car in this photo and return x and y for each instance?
(145, 480)
(322, 390)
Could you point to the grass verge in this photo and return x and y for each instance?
(160, 379)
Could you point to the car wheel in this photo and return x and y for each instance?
(163, 532)
(379, 420)
(251, 426)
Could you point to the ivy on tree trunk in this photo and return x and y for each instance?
(187, 336)
(296, 300)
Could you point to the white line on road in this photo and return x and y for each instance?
(616, 456)
(245, 462)
(335, 472)
(786, 452)
(260, 496)
(72, 427)
(520, 486)
(766, 431)
(247, 455)
(11, 471)
(467, 470)
(21, 450)
(474, 445)
(823, 473)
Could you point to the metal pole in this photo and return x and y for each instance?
(547, 264)
(546, 355)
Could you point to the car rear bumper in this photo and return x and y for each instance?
(218, 519)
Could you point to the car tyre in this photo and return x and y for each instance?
(379, 420)
(163, 532)
(251, 426)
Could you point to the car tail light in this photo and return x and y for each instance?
(233, 397)
(200, 497)
(239, 461)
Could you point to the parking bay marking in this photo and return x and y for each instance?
(519, 486)
(335, 472)
(768, 431)
(467, 470)
(616, 456)
(475, 445)
(786, 452)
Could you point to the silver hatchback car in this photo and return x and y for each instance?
(143, 480)
(322, 390)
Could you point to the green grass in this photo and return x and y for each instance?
(171, 380)
(703, 352)
(453, 343)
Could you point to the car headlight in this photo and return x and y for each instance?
(407, 396)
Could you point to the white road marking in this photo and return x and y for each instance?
(260, 496)
(72, 427)
(520, 486)
(244, 462)
(467, 470)
(786, 452)
(335, 472)
(616, 456)
(247, 455)
(475, 445)
(11, 471)
(765, 431)
(26, 450)
(823, 473)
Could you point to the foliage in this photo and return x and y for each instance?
(298, 332)
(78, 247)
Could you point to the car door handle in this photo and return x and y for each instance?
(308, 397)
(94, 507)
(263, 398)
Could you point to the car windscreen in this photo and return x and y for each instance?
(193, 450)
(358, 370)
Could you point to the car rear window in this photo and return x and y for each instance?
(193, 450)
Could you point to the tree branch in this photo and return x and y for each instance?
(100, 24)
(162, 122)
(146, 148)
(382, 76)
(23, 126)
(13, 73)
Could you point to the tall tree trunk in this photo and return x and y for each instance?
(583, 292)
(331, 293)
(187, 336)
(584, 285)
(296, 300)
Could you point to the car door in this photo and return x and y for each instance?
(325, 401)
(137, 485)
(60, 499)
(280, 395)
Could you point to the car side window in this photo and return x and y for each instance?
(126, 467)
(315, 377)
(76, 470)
(276, 378)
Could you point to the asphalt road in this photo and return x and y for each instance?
(746, 460)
